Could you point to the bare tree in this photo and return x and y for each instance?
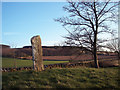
(113, 46)
(87, 21)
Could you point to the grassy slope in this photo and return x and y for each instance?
(63, 78)
(9, 62)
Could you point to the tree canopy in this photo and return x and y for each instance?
(86, 21)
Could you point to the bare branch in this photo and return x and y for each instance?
(88, 20)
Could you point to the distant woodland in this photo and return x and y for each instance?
(26, 51)
(47, 51)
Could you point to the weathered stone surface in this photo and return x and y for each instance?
(37, 53)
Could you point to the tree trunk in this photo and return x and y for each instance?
(96, 60)
(95, 38)
(95, 53)
(119, 55)
(95, 50)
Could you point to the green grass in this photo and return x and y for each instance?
(63, 78)
(9, 62)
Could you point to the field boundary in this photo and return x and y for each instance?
(84, 63)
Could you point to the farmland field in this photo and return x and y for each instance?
(10, 62)
(63, 78)
(81, 57)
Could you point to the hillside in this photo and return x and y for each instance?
(54, 53)
(4, 46)
(47, 51)
(63, 78)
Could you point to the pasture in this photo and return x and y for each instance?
(10, 62)
(78, 77)
(63, 78)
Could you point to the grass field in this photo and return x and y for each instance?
(63, 78)
(9, 62)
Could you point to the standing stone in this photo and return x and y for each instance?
(37, 53)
